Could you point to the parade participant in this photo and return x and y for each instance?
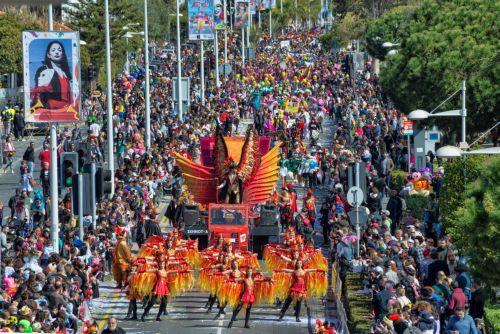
(122, 259)
(298, 290)
(247, 297)
(160, 291)
(132, 291)
(229, 286)
(286, 214)
(211, 277)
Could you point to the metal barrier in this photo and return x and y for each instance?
(337, 287)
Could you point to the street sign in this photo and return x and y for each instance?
(226, 69)
(355, 196)
(250, 53)
(185, 89)
(408, 128)
(358, 215)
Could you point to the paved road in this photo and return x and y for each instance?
(187, 313)
(9, 182)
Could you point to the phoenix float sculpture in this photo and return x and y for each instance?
(241, 173)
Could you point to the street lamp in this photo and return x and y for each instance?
(387, 45)
(449, 151)
(128, 35)
(420, 114)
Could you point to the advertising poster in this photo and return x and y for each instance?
(241, 14)
(201, 19)
(253, 7)
(265, 5)
(219, 15)
(51, 64)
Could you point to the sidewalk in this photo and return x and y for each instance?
(9, 182)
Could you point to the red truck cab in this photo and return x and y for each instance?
(230, 221)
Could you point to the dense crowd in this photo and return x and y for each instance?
(412, 270)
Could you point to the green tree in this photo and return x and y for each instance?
(447, 42)
(87, 16)
(12, 25)
(391, 27)
(453, 189)
(477, 229)
(159, 18)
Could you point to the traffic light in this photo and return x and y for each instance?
(102, 182)
(91, 72)
(87, 204)
(69, 167)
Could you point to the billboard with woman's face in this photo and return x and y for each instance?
(241, 13)
(51, 76)
(219, 14)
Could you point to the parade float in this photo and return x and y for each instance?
(234, 176)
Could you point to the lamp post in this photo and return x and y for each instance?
(146, 65)
(109, 101)
(179, 60)
(420, 114)
(54, 194)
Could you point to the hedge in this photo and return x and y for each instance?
(398, 179)
(357, 306)
(492, 318)
(416, 205)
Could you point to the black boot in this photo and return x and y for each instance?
(129, 312)
(297, 311)
(211, 304)
(285, 307)
(134, 310)
(148, 307)
(247, 316)
(163, 308)
(221, 312)
(235, 314)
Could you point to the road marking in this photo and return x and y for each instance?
(107, 313)
(220, 324)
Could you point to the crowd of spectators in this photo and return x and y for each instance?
(412, 270)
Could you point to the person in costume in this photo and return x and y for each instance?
(232, 185)
(131, 291)
(228, 286)
(213, 279)
(297, 291)
(286, 214)
(247, 297)
(122, 259)
(160, 291)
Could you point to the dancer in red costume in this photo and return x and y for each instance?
(247, 298)
(211, 278)
(298, 290)
(160, 291)
(228, 286)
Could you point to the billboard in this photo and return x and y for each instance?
(201, 19)
(253, 7)
(51, 63)
(219, 15)
(264, 4)
(241, 14)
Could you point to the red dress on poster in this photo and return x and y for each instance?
(64, 98)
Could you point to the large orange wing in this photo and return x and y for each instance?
(250, 156)
(200, 180)
(221, 155)
(260, 186)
